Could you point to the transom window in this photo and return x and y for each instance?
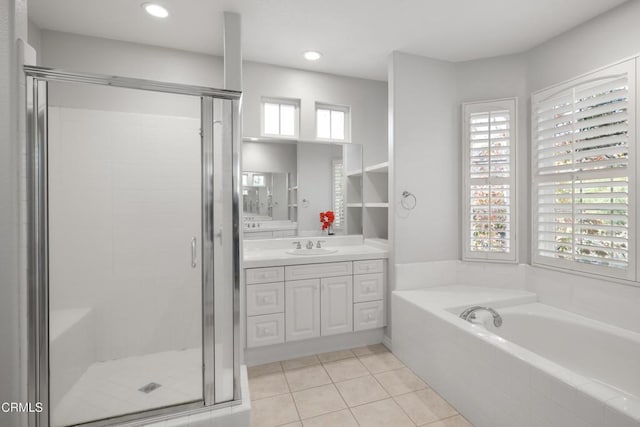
(280, 117)
(332, 122)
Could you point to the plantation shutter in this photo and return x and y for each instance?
(338, 187)
(489, 181)
(583, 173)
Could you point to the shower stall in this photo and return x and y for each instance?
(134, 251)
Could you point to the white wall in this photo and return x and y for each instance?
(367, 99)
(35, 39)
(269, 157)
(314, 183)
(608, 38)
(504, 77)
(424, 146)
(73, 52)
(13, 25)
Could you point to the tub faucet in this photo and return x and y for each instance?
(470, 314)
(309, 244)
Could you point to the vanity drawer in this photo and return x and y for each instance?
(368, 287)
(266, 298)
(368, 315)
(315, 271)
(368, 266)
(265, 330)
(264, 275)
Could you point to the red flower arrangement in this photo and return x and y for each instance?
(326, 219)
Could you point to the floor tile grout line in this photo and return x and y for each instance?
(340, 393)
(442, 419)
(371, 374)
(392, 398)
(295, 405)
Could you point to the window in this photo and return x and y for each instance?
(332, 122)
(583, 174)
(489, 139)
(258, 181)
(280, 117)
(337, 190)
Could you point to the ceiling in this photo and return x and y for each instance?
(355, 36)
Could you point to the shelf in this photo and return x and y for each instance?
(293, 188)
(355, 173)
(376, 205)
(379, 168)
(293, 206)
(354, 205)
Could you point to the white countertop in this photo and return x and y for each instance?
(269, 227)
(256, 257)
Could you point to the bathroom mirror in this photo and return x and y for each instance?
(287, 184)
(265, 195)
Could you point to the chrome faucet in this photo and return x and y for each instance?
(470, 314)
(319, 243)
(309, 244)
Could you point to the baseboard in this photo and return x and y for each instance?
(386, 341)
(291, 350)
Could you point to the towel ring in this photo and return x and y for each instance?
(408, 200)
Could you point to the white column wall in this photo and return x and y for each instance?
(13, 25)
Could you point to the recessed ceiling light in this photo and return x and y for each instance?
(155, 10)
(312, 55)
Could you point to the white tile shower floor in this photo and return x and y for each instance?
(110, 388)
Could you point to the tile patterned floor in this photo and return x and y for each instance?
(366, 387)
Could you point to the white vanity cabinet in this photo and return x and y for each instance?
(336, 302)
(302, 309)
(298, 302)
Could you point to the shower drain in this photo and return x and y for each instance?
(149, 387)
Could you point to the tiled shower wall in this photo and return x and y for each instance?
(124, 205)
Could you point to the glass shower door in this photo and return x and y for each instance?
(125, 219)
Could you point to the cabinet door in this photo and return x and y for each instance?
(336, 305)
(302, 309)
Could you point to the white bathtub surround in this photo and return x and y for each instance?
(609, 301)
(526, 376)
(454, 272)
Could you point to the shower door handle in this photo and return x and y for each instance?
(194, 260)
(219, 235)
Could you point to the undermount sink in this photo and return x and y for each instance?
(314, 251)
